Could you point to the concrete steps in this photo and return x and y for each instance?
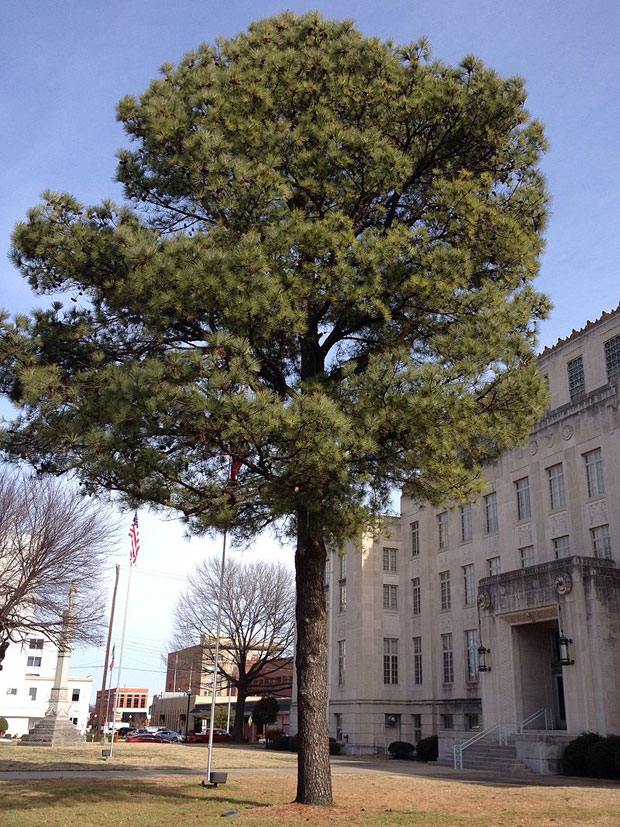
(489, 755)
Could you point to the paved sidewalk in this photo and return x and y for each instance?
(340, 766)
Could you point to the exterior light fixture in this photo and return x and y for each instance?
(482, 659)
(563, 642)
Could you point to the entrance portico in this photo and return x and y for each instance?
(523, 616)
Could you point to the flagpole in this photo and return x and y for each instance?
(135, 545)
(100, 712)
(217, 652)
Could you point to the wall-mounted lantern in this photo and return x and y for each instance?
(482, 659)
(563, 643)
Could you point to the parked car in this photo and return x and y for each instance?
(169, 735)
(220, 736)
(124, 731)
(146, 737)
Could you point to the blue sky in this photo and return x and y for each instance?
(64, 65)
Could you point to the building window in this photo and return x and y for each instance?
(601, 544)
(466, 522)
(338, 723)
(390, 660)
(576, 378)
(557, 493)
(444, 583)
(471, 654)
(75, 695)
(527, 556)
(561, 546)
(495, 567)
(472, 720)
(32, 661)
(612, 358)
(594, 473)
(442, 529)
(11, 691)
(142, 701)
(448, 658)
(136, 701)
(390, 596)
(490, 513)
(417, 727)
(326, 573)
(342, 661)
(417, 595)
(389, 559)
(342, 595)
(121, 700)
(417, 660)
(32, 692)
(524, 509)
(36, 643)
(415, 538)
(447, 721)
(343, 566)
(469, 585)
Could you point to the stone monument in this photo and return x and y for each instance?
(56, 729)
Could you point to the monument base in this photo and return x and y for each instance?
(52, 732)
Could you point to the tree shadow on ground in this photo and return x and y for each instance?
(68, 793)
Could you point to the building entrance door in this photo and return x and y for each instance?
(559, 708)
(537, 685)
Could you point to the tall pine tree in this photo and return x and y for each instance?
(323, 270)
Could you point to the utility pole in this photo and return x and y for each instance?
(100, 713)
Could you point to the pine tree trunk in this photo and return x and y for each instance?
(314, 785)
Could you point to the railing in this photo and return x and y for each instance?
(503, 731)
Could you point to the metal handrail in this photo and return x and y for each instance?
(503, 729)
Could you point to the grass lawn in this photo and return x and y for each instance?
(368, 799)
(16, 757)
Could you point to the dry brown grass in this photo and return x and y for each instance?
(365, 797)
(15, 757)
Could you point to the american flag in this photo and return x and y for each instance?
(134, 537)
(112, 658)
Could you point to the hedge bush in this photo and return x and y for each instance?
(574, 758)
(278, 742)
(603, 757)
(4, 724)
(401, 749)
(334, 747)
(428, 748)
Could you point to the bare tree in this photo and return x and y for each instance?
(50, 537)
(258, 622)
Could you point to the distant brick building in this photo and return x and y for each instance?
(132, 706)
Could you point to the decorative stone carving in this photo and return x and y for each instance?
(597, 512)
(549, 438)
(524, 535)
(533, 615)
(484, 599)
(567, 432)
(491, 544)
(532, 448)
(564, 583)
(559, 524)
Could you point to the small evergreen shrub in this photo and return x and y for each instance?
(4, 725)
(292, 743)
(401, 749)
(574, 758)
(334, 747)
(602, 758)
(428, 748)
(278, 742)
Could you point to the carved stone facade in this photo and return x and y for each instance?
(540, 546)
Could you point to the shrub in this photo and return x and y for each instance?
(292, 743)
(601, 758)
(401, 749)
(334, 747)
(278, 742)
(4, 724)
(574, 758)
(428, 748)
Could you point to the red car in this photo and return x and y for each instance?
(220, 736)
(146, 737)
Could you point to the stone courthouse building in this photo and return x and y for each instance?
(502, 614)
